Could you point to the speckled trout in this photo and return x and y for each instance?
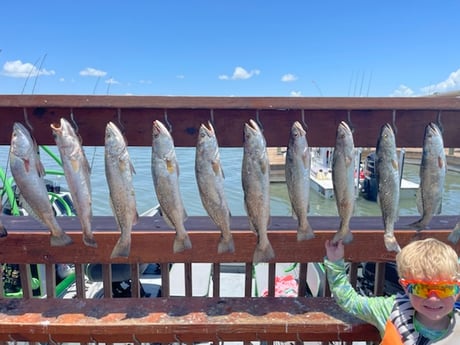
(297, 171)
(388, 182)
(433, 169)
(28, 172)
(119, 173)
(77, 173)
(210, 179)
(165, 174)
(256, 189)
(343, 169)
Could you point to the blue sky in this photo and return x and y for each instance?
(230, 48)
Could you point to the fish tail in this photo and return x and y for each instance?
(263, 253)
(182, 243)
(226, 245)
(3, 232)
(60, 240)
(121, 249)
(419, 224)
(89, 240)
(454, 236)
(391, 243)
(343, 234)
(305, 233)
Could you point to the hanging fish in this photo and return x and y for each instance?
(297, 171)
(28, 172)
(388, 183)
(433, 169)
(119, 171)
(165, 174)
(77, 173)
(210, 179)
(256, 188)
(343, 170)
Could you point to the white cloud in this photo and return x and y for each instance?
(296, 93)
(403, 91)
(92, 72)
(18, 69)
(112, 81)
(240, 73)
(452, 81)
(288, 78)
(145, 81)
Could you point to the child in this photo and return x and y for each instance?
(426, 314)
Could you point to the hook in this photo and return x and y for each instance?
(167, 121)
(74, 123)
(303, 119)
(438, 121)
(395, 129)
(258, 121)
(120, 124)
(350, 124)
(26, 119)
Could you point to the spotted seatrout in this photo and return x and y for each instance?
(256, 185)
(28, 172)
(433, 169)
(297, 171)
(165, 174)
(77, 173)
(119, 171)
(210, 180)
(343, 169)
(388, 182)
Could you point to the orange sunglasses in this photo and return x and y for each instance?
(442, 289)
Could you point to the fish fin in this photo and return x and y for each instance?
(419, 224)
(226, 245)
(216, 167)
(306, 158)
(305, 233)
(60, 240)
(395, 164)
(121, 249)
(181, 244)
(440, 162)
(131, 167)
(167, 220)
(135, 218)
(75, 164)
(170, 166)
(26, 165)
(439, 208)
(348, 161)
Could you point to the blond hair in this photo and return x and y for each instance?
(428, 259)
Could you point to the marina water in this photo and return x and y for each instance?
(231, 159)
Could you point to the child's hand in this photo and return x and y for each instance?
(334, 251)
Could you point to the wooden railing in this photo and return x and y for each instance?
(190, 318)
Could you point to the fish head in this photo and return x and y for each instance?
(254, 141)
(432, 141)
(162, 141)
(344, 132)
(387, 135)
(114, 140)
(22, 143)
(206, 135)
(298, 133)
(63, 130)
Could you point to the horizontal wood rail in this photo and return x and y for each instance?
(189, 318)
(276, 114)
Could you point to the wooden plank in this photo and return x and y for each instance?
(185, 114)
(188, 319)
(28, 241)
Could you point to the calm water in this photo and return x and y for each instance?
(231, 160)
